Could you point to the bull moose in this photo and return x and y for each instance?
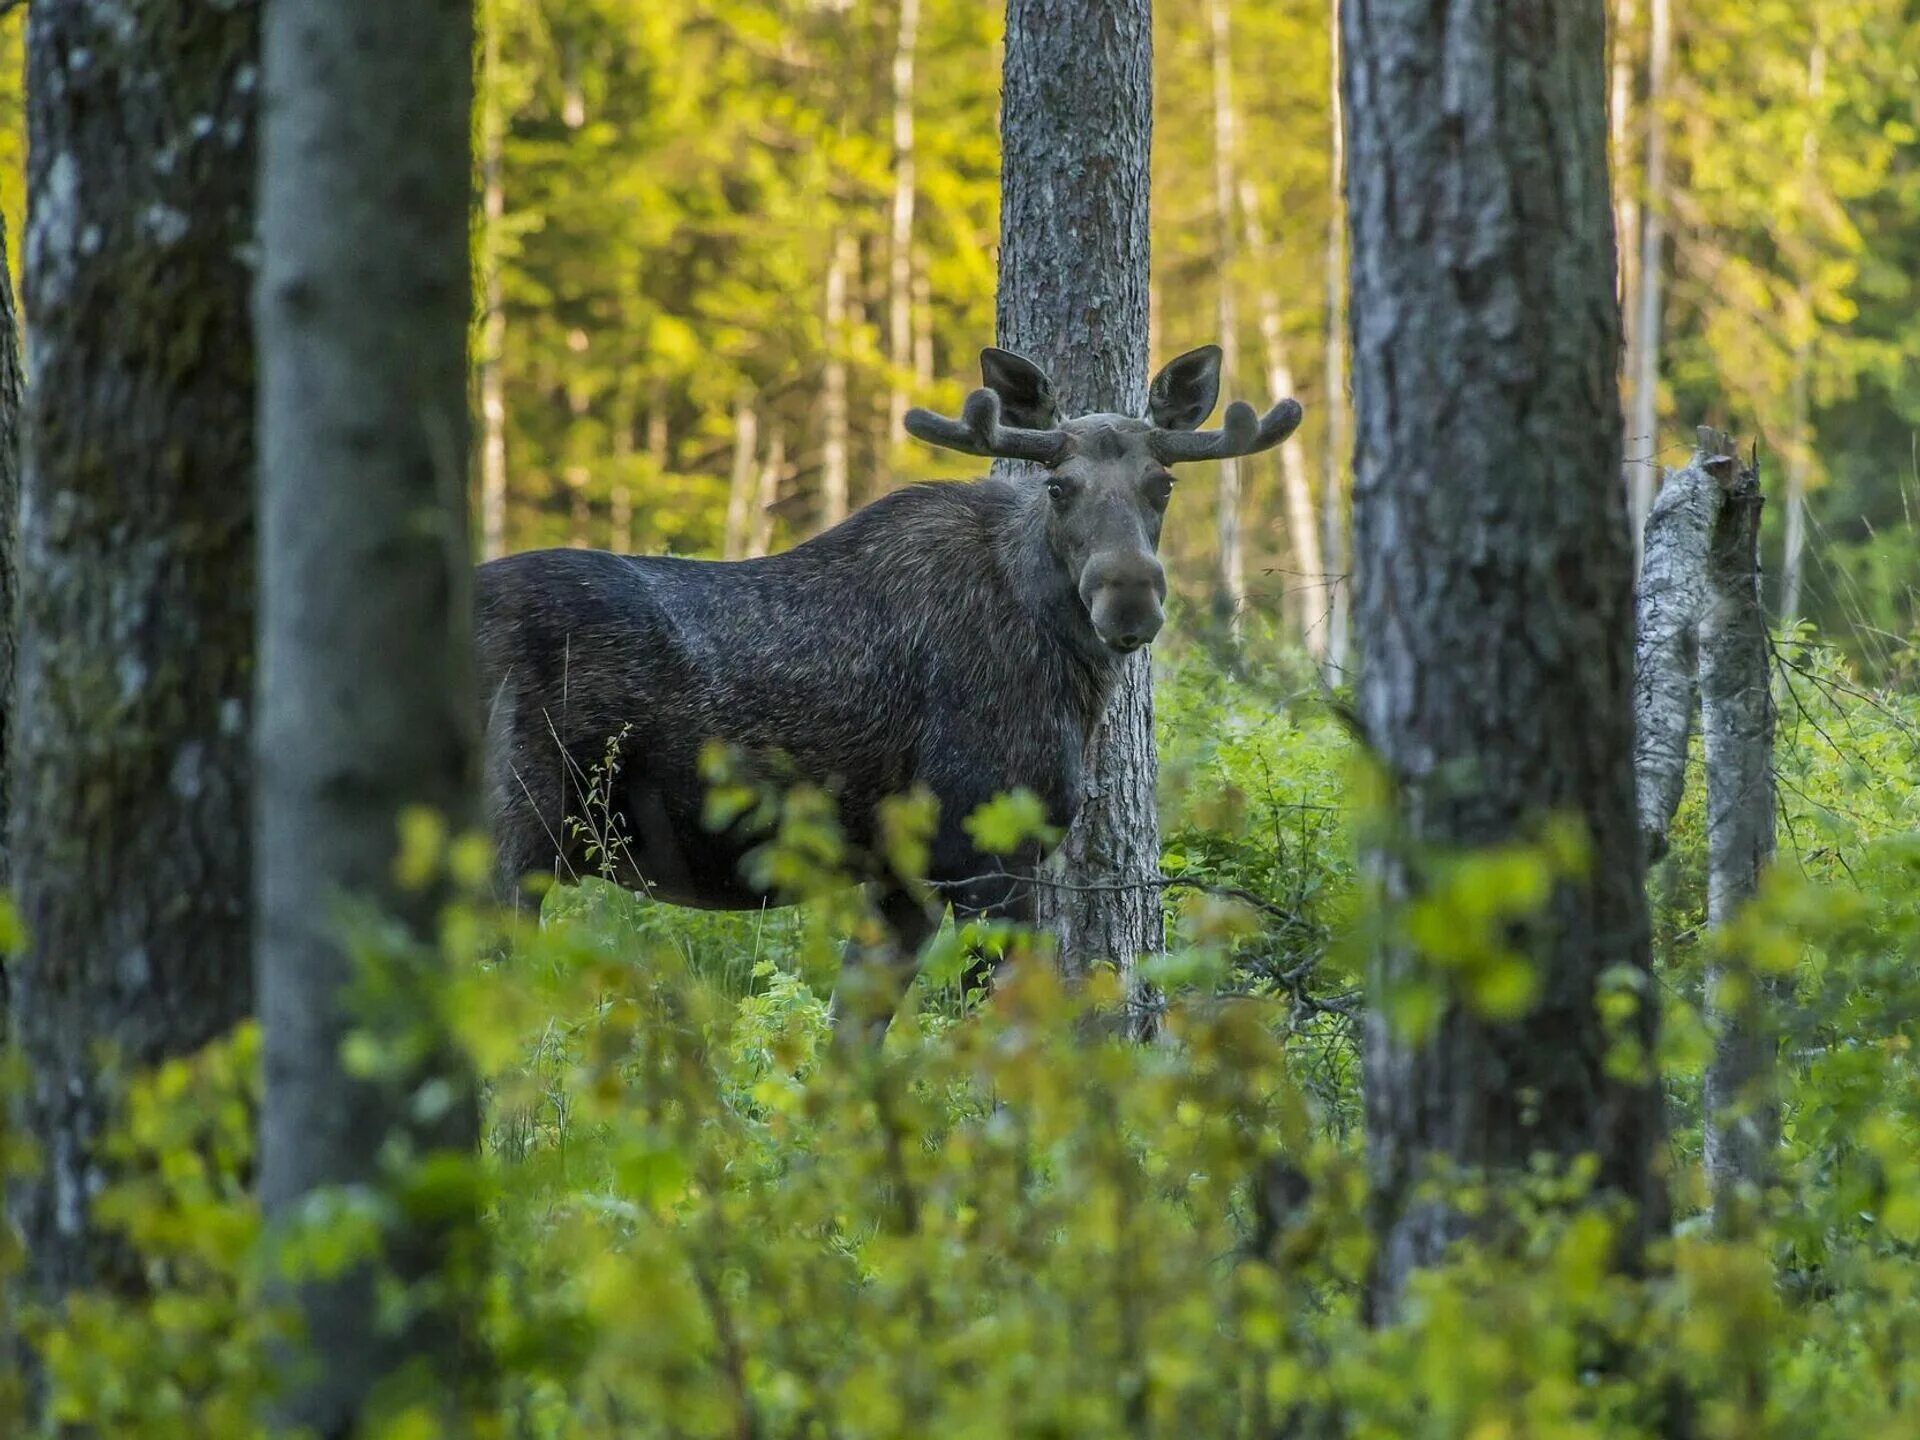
(961, 636)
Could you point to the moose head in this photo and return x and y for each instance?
(1107, 477)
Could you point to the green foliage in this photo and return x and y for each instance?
(703, 1219)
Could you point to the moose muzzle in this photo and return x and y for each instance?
(1123, 592)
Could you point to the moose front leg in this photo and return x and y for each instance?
(1007, 898)
(874, 979)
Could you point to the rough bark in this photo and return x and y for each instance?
(772, 471)
(493, 329)
(12, 400)
(1493, 583)
(1336, 668)
(1309, 580)
(1230, 556)
(129, 738)
(367, 704)
(1626, 205)
(746, 444)
(1643, 429)
(833, 449)
(1671, 599)
(1741, 1119)
(1076, 134)
(900, 336)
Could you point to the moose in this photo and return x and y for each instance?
(960, 636)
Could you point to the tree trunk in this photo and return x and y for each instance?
(368, 708)
(132, 784)
(493, 331)
(746, 444)
(1076, 129)
(833, 450)
(1741, 1108)
(772, 472)
(1626, 214)
(620, 498)
(1643, 431)
(1671, 597)
(1333, 491)
(12, 401)
(1800, 454)
(1230, 556)
(900, 338)
(1309, 580)
(1494, 587)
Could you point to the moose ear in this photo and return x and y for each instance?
(1026, 394)
(1183, 394)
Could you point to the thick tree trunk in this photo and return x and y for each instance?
(746, 445)
(1741, 1109)
(772, 471)
(367, 700)
(833, 449)
(1494, 584)
(1230, 555)
(900, 337)
(1076, 132)
(1626, 210)
(136, 641)
(493, 330)
(1643, 430)
(1334, 556)
(12, 402)
(1309, 580)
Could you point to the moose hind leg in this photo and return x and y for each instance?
(875, 979)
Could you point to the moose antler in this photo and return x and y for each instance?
(978, 431)
(1240, 433)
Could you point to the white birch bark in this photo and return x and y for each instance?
(1643, 431)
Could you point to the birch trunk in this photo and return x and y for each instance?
(1309, 581)
(1337, 667)
(367, 704)
(1643, 432)
(135, 624)
(746, 444)
(1230, 559)
(833, 453)
(1494, 589)
(900, 336)
(493, 330)
(772, 472)
(12, 416)
(1800, 455)
(1076, 128)
(1741, 1119)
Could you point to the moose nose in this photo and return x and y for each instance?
(1122, 595)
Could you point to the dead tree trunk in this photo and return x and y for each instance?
(1700, 602)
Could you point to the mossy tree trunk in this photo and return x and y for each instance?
(1494, 587)
(1076, 138)
(128, 743)
(367, 707)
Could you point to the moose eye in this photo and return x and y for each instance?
(1059, 491)
(1159, 490)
